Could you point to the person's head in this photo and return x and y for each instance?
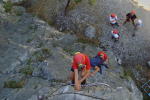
(115, 31)
(113, 15)
(102, 55)
(133, 12)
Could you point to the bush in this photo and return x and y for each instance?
(14, 84)
(42, 54)
(69, 50)
(92, 2)
(77, 1)
(85, 40)
(46, 51)
(27, 70)
(139, 67)
(127, 74)
(8, 6)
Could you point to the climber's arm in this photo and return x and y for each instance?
(95, 71)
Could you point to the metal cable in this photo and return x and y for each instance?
(75, 93)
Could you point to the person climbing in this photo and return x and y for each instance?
(80, 69)
(115, 34)
(113, 19)
(130, 17)
(98, 63)
(138, 25)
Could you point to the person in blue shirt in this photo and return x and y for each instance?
(98, 63)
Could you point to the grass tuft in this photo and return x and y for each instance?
(8, 6)
(27, 70)
(92, 2)
(14, 84)
(85, 40)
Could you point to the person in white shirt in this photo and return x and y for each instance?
(113, 19)
(115, 34)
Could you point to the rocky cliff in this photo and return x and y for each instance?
(36, 57)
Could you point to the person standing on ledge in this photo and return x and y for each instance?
(130, 17)
(80, 69)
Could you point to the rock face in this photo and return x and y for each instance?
(90, 32)
(148, 63)
(41, 56)
(15, 1)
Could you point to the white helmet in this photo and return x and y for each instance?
(139, 21)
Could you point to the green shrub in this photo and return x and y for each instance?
(29, 40)
(69, 50)
(88, 41)
(46, 51)
(92, 2)
(40, 58)
(127, 74)
(42, 54)
(8, 6)
(27, 70)
(139, 67)
(77, 1)
(14, 84)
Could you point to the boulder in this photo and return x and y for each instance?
(14, 1)
(18, 10)
(90, 32)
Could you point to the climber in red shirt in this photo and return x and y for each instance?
(81, 63)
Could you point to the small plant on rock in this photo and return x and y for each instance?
(92, 2)
(42, 55)
(88, 41)
(8, 6)
(69, 50)
(27, 70)
(46, 51)
(14, 84)
(77, 1)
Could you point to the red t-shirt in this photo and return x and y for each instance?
(81, 59)
(104, 57)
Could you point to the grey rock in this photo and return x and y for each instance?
(148, 63)
(18, 10)
(58, 64)
(34, 97)
(90, 32)
(14, 1)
